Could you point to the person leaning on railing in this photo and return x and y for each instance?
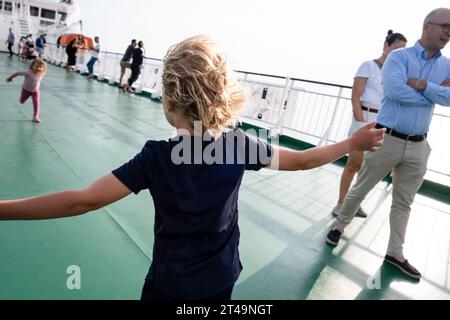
(126, 59)
(71, 51)
(41, 43)
(136, 66)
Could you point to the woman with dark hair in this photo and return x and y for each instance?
(136, 66)
(367, 93)
(71, 51)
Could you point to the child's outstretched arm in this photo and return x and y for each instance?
(104, 191)
(365, 139)
(11, 77)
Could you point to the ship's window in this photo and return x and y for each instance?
(48, 14)
(8, 6)
(62, 16)
(45, 23)
(34, 11)
(1, 5)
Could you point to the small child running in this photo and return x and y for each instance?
(31, 84)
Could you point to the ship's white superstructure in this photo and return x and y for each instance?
(36, 17)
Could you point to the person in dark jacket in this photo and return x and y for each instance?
(126, 60)
(136, 66)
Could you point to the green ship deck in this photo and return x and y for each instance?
(89, 128)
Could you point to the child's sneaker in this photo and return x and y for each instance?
(37, 120)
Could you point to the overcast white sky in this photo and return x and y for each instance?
(323, 40)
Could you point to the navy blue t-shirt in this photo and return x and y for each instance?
(195, 184)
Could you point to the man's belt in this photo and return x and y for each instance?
(403, 136)
(369, 109)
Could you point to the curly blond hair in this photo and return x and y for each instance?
(41, 64)
(197, 80)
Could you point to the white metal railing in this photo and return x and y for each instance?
(108, 67)
(316, 112)
(321, 113)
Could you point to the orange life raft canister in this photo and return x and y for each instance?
(65, 39)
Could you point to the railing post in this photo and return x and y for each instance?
(326, 135)
(157, 90)
(277, 130)
(142, 76)
(86, 58)
(62, 57)
(80, 60)
(112, 81)
(48, 53)
(101, 75)
(56, 58)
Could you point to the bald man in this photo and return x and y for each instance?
(415, 79)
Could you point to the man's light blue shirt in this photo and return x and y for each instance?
(404, 109)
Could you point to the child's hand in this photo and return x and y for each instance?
(367, 138)
(9, 79)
